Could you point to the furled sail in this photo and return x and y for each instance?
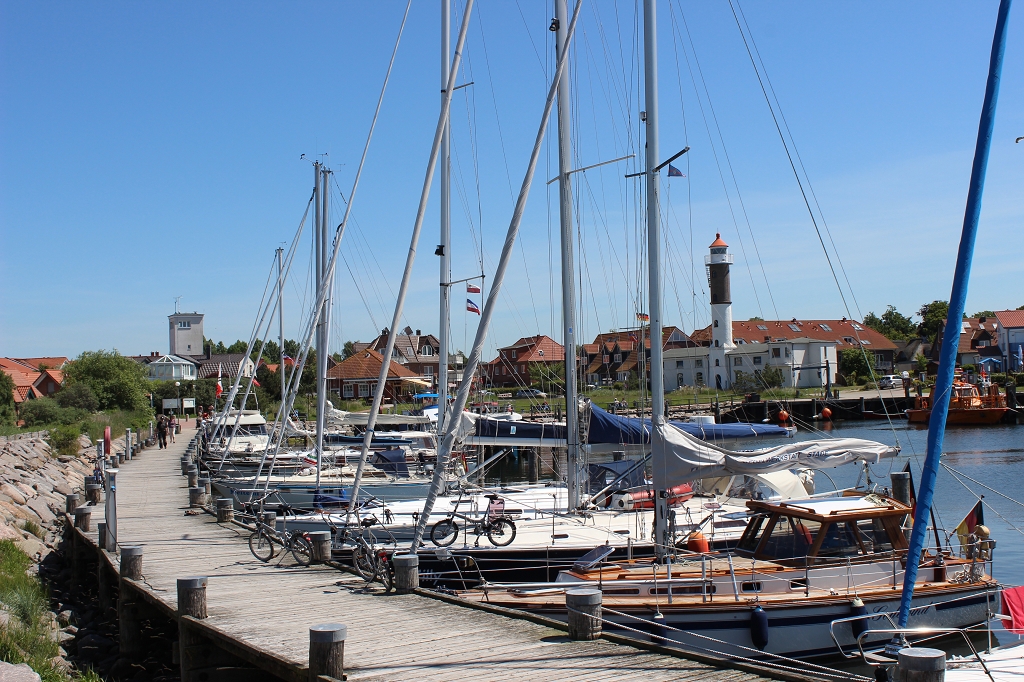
(686, 459)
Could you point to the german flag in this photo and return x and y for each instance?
(974, 518)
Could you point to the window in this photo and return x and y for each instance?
(794, 327)
(680, 364)
(522, 369)
(740, 342)
(757, 359)
(716, 323)
(716, 362)
(716, 343)
(426, 350)
(618, 357)
(879, 360)
(184, 324)
(605, 358)
(776, 352)
(699, 378)
(849, 339)
(623, 376)
(865, 342)
(737, 362)
(364, 390)
(762, 327)
(679, 380)
(826, 327)
(787, 351)
(347, 391)
(857, 326)
(428, 371)
(699, 362)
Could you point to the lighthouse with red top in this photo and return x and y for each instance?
(718, 264)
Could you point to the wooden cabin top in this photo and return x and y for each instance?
(829, 509)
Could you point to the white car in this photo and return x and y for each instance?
(890, 381)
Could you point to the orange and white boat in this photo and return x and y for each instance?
(966, 406)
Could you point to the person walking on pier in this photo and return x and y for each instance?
(172, 426)
(161, 431)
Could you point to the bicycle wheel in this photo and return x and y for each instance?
(444, 532)
(364, 561)
(261, 546)
(501, 532)
(384, 575)
(301, 549)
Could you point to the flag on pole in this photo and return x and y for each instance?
(255, 382)
(472, 307)
(974, 518)
(472, 288)
(1020, 357)
(643, 317)
(220, 389)
(674, 172)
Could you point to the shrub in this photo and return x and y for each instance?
(117, 381)
(31, 526)
(618, 386)
(64, 439)
(7, 413)
(40, 412)
(770, 377)
(78, 396)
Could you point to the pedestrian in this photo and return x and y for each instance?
(172, 426)
(161, 431)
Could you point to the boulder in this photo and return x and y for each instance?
(17, 673)
(39, 506)
(13, 493)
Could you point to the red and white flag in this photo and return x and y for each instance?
(220, 389)
(472, 307)
(472, 288)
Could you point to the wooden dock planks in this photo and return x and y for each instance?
(270, 607)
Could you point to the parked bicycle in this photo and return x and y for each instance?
(370, 557)
(495, 524)
(263, 541)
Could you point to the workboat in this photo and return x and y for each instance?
(966, 406)
(801, 570)
(241, 433)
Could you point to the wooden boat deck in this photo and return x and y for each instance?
(270, 607)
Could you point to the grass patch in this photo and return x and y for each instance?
(33, 527)
(26, 638)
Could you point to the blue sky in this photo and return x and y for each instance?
(153, 150)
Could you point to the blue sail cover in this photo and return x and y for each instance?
(391, 462)
(503, 428)
(606, 427)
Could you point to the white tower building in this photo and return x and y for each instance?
(718, 264)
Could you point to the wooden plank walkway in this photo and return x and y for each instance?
(270, 607)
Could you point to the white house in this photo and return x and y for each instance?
(173, 367)
(1010, 335)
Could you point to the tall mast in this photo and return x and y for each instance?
(572, 408)
(320, 238)
(280, 319)
(445, 247)
(656, 366)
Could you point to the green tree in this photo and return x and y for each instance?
(892, 324)
(933, 317)
(1021, 308)
(755, 318)
(985, 313)
(922, 362)
(238, 347)
(7, 414)
(118, 382)
(46, 411)
(853, 364)
(80, 396)
(770, 377)
(348, 350)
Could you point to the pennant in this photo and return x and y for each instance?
(974, 518)
(674, 172)
(472, 307)
(472, 288)
(220, 389)
(255, 382)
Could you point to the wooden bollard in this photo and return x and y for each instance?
(921, 664)
(321, 541)
(193, 476)
(225, 510)
(120, 457)
(196, 496)
(71, 502)
(192, 597)
(101, 534)
(407, 572)
(269, 518)
(185, 463)
(584, 611)
(93, 493)
(191, 602)
(131, 562)
(82, 516)
(102, 583)
(206, 485)
(327, 651)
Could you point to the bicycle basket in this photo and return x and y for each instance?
(495, 508)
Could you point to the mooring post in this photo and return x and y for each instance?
(71, 502)
(128, 444)
(128, 608)
(82, 516)
(921, 664)
(225, 510)
(185, 462)
(327, 651)
(110, 510)
(407, 571)
(101, 535)
(321, 541)
(93, 493)
(191, 602)
(584, 611)
(269, 518)
(102, 584)
(196, 496)
(206, 485)
(193, 475)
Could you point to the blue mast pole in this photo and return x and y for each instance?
(957, 302)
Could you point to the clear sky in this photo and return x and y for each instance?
(152, 150)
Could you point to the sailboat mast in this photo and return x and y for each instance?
(572, 407)
(654, 276)
(446, 259)
(280, 318)
(318, 239)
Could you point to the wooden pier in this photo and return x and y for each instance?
(260, 614)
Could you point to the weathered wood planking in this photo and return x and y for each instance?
(269, 607)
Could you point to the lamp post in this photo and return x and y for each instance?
(177, 392)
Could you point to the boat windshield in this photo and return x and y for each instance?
(787, 537)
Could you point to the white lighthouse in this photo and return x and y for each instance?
(718, 264)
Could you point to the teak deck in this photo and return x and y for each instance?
(269, 608)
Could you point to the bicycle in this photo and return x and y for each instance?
(370, 560)
(263, 540)
(498, 526)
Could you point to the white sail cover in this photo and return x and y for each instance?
(688, 459)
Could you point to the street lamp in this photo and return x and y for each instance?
(177, 391)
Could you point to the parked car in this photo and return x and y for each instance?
(890, 381)
(531, 393)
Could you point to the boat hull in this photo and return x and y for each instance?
(982, 416)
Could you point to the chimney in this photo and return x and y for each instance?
(419, 334)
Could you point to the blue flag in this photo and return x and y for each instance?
(674, 172)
